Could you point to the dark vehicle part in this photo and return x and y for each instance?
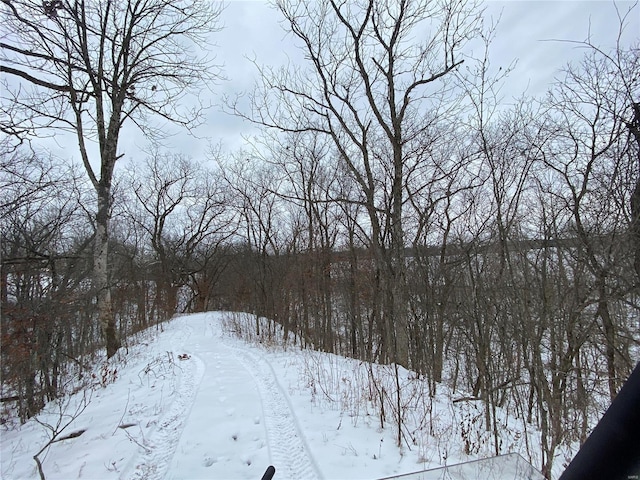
(269, 473)
(612, 451)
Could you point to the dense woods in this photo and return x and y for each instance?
(393, 209)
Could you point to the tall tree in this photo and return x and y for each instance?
(88, 68)
(374, 90)
(589, 152)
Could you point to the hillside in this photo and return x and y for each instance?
(193, 401)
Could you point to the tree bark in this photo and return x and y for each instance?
(101, 272)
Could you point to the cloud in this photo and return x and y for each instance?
(529, 31)
(538, 35)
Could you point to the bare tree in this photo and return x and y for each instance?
(618, 100)
(162, 188)
(263, 228)
(26, 178)
(91, 67)
(373, 90)
(588, 152)
(181, 206)
(44, 247)
(304, 162)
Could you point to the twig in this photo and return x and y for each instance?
(124, 412)
(58, 429)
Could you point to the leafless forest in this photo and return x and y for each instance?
(394, 208)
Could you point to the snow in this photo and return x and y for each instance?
(194, 402)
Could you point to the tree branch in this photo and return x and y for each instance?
(35, 80)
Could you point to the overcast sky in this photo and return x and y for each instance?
(525, 34)
(252, 28)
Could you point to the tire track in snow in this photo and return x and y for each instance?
(161, 446)
(289, 451)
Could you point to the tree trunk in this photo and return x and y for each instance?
(610, 342)
(101, 273)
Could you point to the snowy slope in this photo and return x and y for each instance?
(192, 402)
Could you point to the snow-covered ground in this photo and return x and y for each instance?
(194, 402)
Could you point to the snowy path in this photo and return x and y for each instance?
(161, 446)
(287, 446)
(249, 421)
